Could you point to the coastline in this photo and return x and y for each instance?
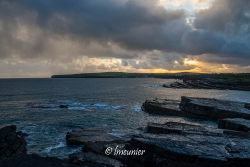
(230, 81)
(159, 144)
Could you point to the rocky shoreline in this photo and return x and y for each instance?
(182, 144)
(210, 83)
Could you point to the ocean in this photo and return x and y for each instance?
(34, 106)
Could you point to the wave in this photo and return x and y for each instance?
(73, 105)
(50, 148)
(153, 86)
(137, 108)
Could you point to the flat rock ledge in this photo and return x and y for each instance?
(84, 135)
(237, 124)
(33, 160)
(213, 109)
(95, 141)
(201, 108)
(185, 145)
(11, 142)
(173, 144)
(13, 150)
(183, 128)
(247, 105)
(188, 150)
(169, 145)
(163, 107)
(94, 158)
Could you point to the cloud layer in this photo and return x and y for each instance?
(141, 34)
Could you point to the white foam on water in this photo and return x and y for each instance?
(29, 129)
(77, 108)
(116, 135)
(49, 149)
(100, 105)
(74, 105)
(104, 106)
(137, 108)
(115, 107)
(156, 86)
(153, 86)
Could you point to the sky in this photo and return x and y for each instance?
(45, 37)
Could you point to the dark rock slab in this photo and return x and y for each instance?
(11, 142)
(247, 105)
(95, 147)
(181, 150)
(45, 106)
(33, 160)
(191, 150)
(236, 134)
(237, 124)
(90, 157)
(239, 151)
(210, 83)
(99, 147)
(183, 128)
(63, 106)
(193, 84)
(84, 135)
(41, 106)
(213, 109)
(176, 85)
(163, 107)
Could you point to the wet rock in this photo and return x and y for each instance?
(239, 152)
(210, 83)
(213, 109)
(45, 106)
(183, 128)
(237, 124)
(24, 160)
(95, 142)
(236, 134)
(11, 142)
(247, 105)
(180, 150)
(84, 135)
(192, 84)
(95, 147)
(188, 150)
(41, 106)
(176, 85)
(100, 146)
(93, 158)
(163, 107)
(63, 106)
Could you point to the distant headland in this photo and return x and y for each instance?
(232, 81)
(181, 75)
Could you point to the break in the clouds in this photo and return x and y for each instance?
(43, 37)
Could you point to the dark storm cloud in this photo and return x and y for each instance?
(160, 60)
(200, 42)
(133, 24)
(227, 16)
(228, 22)
(34, 28)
